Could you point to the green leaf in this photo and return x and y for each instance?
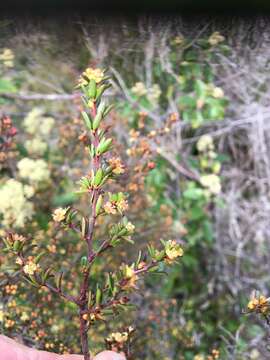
(193, 194)
(6, 86)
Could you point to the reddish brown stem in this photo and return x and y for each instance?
(84, 290)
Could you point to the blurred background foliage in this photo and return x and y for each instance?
(191, 125)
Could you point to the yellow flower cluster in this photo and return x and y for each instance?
(35, 123)
(154, 93)
(212, 183)
(35, 171)
(14, 205)
(91, 74)
(7, 57)
(39, 126)
(59, 214)
(213, 356)
(217, 93)
(260, 304)
(139, 89)
(111, 207)
(208, 161)
(173, 250)
(130, 227)
(130, 277)
(2, 316)
(30, 268)
(216, 38)
(117, 166)
(118, 337)
(205, 143)
(11, 289)
(36, 146)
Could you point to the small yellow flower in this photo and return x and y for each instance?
(173, 250)
(30, 268)
(139, 89)
(199, 357)
(129, 271)
(117, 166)
(216, 38)
(130, 277)
(59, 214)
(130, 227)
(110, 208)
(2, 316)
(218, 93)
(215, 353)
(205, 143)
(91, 74)
(260, 304)
(212, 183)
(122, 205)
(7, 54)
(118, 337)
(252, 304)
(24, 316)
(7, 57)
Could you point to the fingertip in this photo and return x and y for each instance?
(109, 355)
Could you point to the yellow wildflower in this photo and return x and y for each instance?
(118, 337)
(139, 89)
(130, 227)
(216, 38)
(59, 214)
(14, 205)
(260, 303)
(35, 123)
(199, 357)
(2, 316)
(91, 74)
(36, 146)
(30, 268)
(36, 171)
(7, 57)
(218, 93)
(24, 316)
(212, 183)
(122, 205)
(130, 277)
(205, 143)
(154, 93)
(173, 250)
(110, 208)
(117, 166)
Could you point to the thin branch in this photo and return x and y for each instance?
(50, 97)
